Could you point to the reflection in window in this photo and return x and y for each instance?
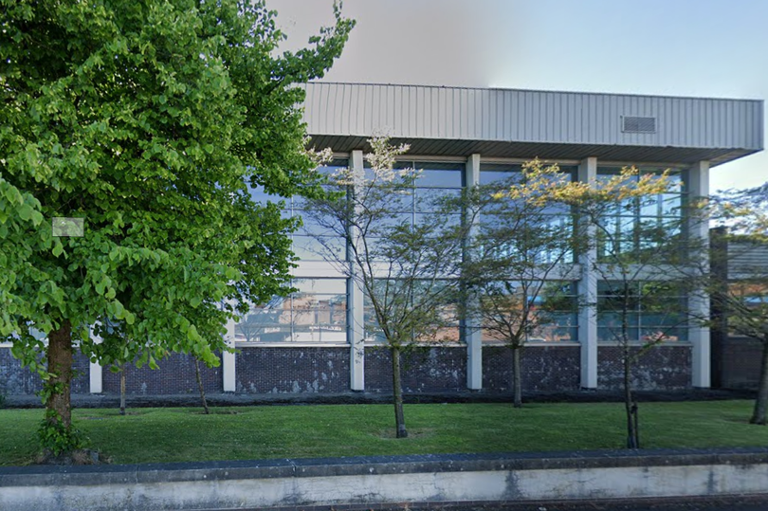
(436, 181)
(654, 310)
(397, 298)
(305, 248)
(543, 226)
(641, 224)
(552, 310)
(316, 312)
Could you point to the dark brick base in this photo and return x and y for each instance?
(544, 368)
(664, 367)
(295, 370)
(740, 363)
(18, 380)
(442, 369)
(323, 370)
(176, 375)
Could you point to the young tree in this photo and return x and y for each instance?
(638, 247)
(147, 121)
(406, 263)
(740, 291)
(521, 250)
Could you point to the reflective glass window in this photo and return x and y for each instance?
(315, 312)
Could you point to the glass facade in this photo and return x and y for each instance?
(641, 223)
(316, 312)
(651, 311)
(552, 310)
(311, 240)
(445, 322)
(550, 219)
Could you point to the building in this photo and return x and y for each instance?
(459, 136)
(740, 271)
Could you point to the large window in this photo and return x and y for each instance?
(311, 240)
(525, 220)
(435, 180)
(316, 312)
(552, 310)
(437, 318)
(652, 311)
(639, 224)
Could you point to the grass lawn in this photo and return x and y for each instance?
(184, 434)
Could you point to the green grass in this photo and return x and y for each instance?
(149, 435)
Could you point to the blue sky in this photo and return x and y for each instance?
(715, 48)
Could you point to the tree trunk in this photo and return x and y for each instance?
(761, 402)
(517, 378)
(60, 381)
(200, 386)
(633, 440)
(122, 389)
(397, 388)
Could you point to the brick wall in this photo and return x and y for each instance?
(544, 368)
(294, 370)
(664, 367)
(176, 375)
(18, 380)
(441, 369)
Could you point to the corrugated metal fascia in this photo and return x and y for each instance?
(420, 111)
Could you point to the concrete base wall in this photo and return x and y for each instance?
(365, 482)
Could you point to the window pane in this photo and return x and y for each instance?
(317, 311)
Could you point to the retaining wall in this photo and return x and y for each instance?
(375, 481)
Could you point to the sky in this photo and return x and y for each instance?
(710, 48)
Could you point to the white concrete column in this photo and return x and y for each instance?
(355, 316)
(95, 372)
(228, 360)
(697, 183)
(473, 336)
(587, 289)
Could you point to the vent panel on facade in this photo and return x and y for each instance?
(639, 125)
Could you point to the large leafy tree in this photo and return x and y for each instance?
(148, 120)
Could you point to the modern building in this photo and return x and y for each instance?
(313, 341)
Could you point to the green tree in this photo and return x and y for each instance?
(405, 263)
(522, 247)
(148, 120)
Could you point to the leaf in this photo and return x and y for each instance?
(25, 212)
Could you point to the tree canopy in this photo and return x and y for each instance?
(149, 120)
